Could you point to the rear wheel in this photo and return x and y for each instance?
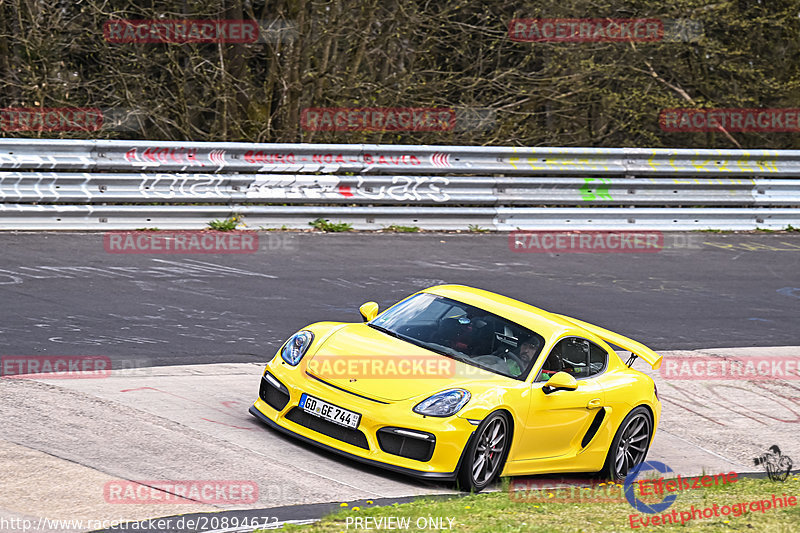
(630, 445)
(485, 456)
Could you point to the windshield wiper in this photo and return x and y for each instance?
(443, 350)
(389, 332)
(416, 342)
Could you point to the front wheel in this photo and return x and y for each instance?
(486, 454)
(630, 444)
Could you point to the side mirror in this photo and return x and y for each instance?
(368, 311)
(560, 381)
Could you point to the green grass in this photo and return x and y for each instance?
(474, 228)
(760, 230)
(495, 512)
(401, 229)
(322, 224)
(229, 224)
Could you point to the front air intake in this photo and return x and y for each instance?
(409, 443)
(273, 392)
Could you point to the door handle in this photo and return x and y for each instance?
(594, 403)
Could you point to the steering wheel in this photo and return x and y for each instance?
(517, 360)
(508, 354)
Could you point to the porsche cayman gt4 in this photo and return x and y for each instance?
(461, 384)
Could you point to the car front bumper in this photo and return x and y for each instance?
(376, 440)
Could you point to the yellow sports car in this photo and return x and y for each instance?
(457, 383)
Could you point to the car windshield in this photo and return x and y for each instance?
(463, 332)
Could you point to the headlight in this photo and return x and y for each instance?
(445, 403)
(296, 347)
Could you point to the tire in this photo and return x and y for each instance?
(482, 463)
(630, 444)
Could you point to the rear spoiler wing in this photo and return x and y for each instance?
(636, 348)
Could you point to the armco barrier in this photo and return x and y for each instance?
(75, 184)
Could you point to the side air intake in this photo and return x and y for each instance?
(598, 420)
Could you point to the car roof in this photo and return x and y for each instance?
(542, 322)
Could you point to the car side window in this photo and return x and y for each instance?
(598, 358)
(577, 357)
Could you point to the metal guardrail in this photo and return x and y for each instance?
(84, 188)
(75, 184)
(101, 217)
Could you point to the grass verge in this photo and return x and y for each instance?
(401, 229)
(493, 512)
(323, 224)
(229, 224)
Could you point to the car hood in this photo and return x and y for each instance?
(368, 362)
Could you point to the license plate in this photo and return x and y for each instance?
(329, 412)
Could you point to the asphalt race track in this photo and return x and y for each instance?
(71, 297)
(188, 336)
